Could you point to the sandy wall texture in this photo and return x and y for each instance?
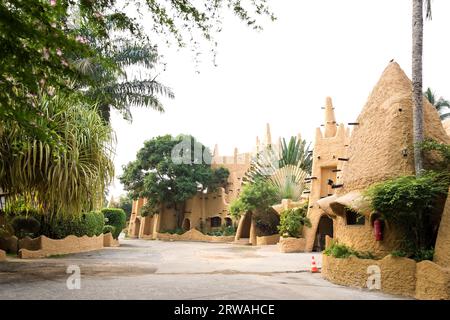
(433, 281)
(49, 247)
(290, 245)
(424, 280)
(2, 255)
(267, 240)
(193, 235)
(442, 248)
(109, 241)
(446, 125)
(362, 238)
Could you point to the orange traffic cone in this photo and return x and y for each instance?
(314, 268)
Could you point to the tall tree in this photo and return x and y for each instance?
(417, 58)
(118, 88)
(38, 39)
(159, 176)
(64, 178)
(440, 104)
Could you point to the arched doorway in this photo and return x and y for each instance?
(186, 225)
(246, 225)
(137, 227)
(325, 228)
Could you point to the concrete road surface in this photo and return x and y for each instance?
(145, 269)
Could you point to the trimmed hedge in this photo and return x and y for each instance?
(90, 224)
(116, 217)
(108, 229)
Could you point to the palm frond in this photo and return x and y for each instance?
(66, 177)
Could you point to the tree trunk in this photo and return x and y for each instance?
(418, 135)
(179, 211)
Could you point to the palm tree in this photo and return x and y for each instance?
(440, 104)
(417, 56)
(65, 177)
(285, 169)
(113, 87)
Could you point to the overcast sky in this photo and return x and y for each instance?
(283, 74)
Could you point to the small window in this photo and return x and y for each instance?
(216, 222)
(354, 218)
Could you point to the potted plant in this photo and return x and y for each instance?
(290, 229)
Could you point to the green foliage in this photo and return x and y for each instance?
(257, 196)
(443, 149)
(223, 231)
(115, 217)
(108, 229)
(93, 223)
(266, 222)
(296, 153)
(25, 226)
(65, 178)
(340, 250)
(116, 88)
(125, 203)
(411, 204)
(149, 209)
(424, 254)
(49, 47)
(285, 169)
(178, 231)
(171, 170)
(89, 224)
(409, 250)
(399, 253)
(440, 104)
(292, 220)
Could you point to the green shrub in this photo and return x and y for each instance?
(399, 254)
(108, 229)
(413, 205)
(89, 224)
(257, 196)
(224, 231)
(93, 223)
(25, 226)
(115, 217)
(340, 250)
(179, 231)
(292, 220)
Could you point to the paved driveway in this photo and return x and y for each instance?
(144, 269)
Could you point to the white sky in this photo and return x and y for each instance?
(283, 74)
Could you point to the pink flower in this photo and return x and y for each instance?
(53, 3)
(80, 39)
(64, 63)
(59, 52)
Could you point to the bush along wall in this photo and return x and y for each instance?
(115, 217)
(89, 223)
